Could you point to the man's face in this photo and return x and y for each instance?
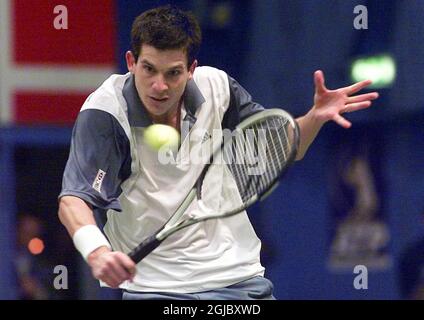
(160, 78)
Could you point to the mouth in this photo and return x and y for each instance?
(159, 99)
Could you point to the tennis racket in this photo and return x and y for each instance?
(258, 152)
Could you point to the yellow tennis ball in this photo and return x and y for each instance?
(161, 135)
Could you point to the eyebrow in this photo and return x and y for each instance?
(180, 65)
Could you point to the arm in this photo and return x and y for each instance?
(309, 128)
(111, 267)
(330, 105)
(98, 143)
(68, 207)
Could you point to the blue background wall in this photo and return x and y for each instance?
(273, 48)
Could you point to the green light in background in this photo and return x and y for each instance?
(381, 69)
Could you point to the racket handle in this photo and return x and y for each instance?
(144, 248)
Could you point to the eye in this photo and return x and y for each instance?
(174, 73)
(147, 68)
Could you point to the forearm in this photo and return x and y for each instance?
(309, 127)
(110, 267)
(74, 213)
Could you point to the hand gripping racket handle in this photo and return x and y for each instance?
(144, 248)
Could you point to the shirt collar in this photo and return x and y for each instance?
(137, 113)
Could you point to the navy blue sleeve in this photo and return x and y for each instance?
(99, 160)
(241, 105)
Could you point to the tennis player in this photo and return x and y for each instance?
(112, 176)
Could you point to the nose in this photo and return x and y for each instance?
(159, 84)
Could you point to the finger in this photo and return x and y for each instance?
(357, 86)
(319, 82)
(362, 97)
(112, 282)
(112, 272)
(119, 270)
(342, 121)
(351, 107)
(111, 279)
(128, 264)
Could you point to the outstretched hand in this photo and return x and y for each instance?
(331, 104)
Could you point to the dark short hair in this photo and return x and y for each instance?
(165, 28)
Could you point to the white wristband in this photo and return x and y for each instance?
(88, 238)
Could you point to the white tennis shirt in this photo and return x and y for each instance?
(139, 193)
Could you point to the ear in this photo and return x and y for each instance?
(129, 57)
(191, 69)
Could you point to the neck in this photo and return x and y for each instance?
(171, 118)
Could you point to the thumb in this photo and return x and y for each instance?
(319, 82)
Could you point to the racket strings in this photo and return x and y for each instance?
(276, 150)
(258, 154)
